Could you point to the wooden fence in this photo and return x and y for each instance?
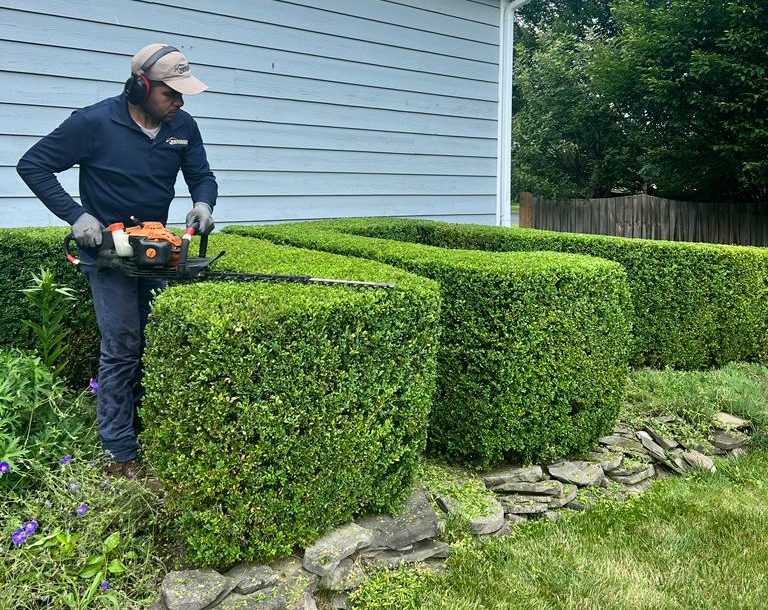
(650, 217)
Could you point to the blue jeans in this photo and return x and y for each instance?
(122, 306)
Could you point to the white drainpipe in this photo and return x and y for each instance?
(504, 146)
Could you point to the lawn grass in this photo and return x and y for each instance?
(697, 542)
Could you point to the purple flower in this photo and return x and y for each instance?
(4, 467)
(94, 385)
(19, 536)
(29, 527)
(74, 487)
(104, 585)
(66, 459)
(82, 509)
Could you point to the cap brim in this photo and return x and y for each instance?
(188, 85)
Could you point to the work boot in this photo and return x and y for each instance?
(131, 470)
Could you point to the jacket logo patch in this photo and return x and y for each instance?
(176, 142)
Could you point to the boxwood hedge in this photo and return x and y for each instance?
(695, 305)
(276, 411)
(533, 355)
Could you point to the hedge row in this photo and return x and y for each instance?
(24, 252)
(533, 355)
(275, 411)
(695, 305)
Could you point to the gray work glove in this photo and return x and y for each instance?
(87, 231)
(201, 213)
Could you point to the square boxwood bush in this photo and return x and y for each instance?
(533, 354)
(695, 305)
(276, 411)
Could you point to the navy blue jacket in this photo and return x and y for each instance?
(123, 172)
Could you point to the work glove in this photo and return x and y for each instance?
(87, 231)
(201, 213)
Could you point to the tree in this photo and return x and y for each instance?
(568, 140)
(690, 81)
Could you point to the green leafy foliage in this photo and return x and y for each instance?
(276, 411)
(533, 355)
(694, 305)
(24, 253)
(50, 303)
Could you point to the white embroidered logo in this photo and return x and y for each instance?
(176, 142)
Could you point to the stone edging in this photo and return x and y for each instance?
(623, 464)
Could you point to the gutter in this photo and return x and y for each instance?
(504, 142)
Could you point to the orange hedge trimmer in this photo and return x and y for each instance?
(149, 250)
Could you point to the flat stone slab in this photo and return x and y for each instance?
(418, 521)
(194, 589)
(271, 598)
(251, 577)
(608, 460)
(622, 442)
(527, 474)
(569, 495)
(663, 441)
(634, 479)
(651, 446)
(539, 488)
(426, 549)
(489, 523)
(583, 474)
(524, 505)
(728, 441)
(726, 421)
(699, 460)
(323, 557)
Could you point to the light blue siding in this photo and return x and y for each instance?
(341, 108)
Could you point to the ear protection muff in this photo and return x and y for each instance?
(138, 86)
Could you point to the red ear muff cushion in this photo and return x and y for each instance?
(137, 89)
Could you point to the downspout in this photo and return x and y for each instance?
(504, 144)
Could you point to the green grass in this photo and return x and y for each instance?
(699, 542)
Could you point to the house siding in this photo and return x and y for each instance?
(341, 108)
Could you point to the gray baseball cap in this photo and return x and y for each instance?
(172, 69)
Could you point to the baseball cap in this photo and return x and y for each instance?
(172, 69)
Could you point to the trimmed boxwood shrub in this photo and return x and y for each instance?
(533, 355)
(696, 305)
(23, 252)
(275, 411)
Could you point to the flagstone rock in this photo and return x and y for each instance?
(249, 577)
(426, 549)
(300, 584)
(418, 521)
(664, 442)
(726, 421)
(271, 598)
(348, 575)
(583, 474)
(323, 557)
(699, 460)
(569, 494)
(524, 505)
(634, 479)
(489, 522)
(728, 441)
(540, 488)
(653, 448)
(527, 474)
(194, 589)
(608, 460)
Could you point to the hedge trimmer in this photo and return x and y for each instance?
(150, 250)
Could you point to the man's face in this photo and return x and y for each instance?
(163, 103)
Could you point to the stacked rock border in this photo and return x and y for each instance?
(624, 463)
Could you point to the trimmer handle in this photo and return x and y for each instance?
(67, 252)
(186, 239)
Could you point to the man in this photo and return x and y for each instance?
(130, 149)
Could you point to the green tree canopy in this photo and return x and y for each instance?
(684, 83)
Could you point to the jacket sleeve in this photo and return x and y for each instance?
(64, 147)
(197, 173)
